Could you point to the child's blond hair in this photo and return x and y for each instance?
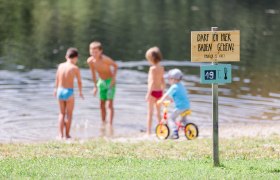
(154, 55)
(96, 44)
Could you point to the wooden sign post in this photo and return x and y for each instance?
(215, 46)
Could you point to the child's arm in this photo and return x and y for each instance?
(163, 81)
(93, 76)
(56, 83)
(151, 81)
(79, 80)
(165, 96)
(111, 62)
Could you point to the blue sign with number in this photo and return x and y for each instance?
(218, 73)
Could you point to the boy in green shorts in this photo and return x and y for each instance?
(106, 69)
(106, 92)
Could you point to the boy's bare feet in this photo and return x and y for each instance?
(102, 129)
(59, 138)
(111, 133)
(147, 136)
(111, 130)
(103, 125)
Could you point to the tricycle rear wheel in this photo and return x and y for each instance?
(191, 131)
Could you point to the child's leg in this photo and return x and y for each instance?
(158, 107)
(111, 109)
(184, 121)
(103, 110)
(61, 116)
(173, 117)
(151, 103)
(69, 112)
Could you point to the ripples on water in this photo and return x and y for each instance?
(28, 111)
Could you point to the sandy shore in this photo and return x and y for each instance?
(244, 130)
(258, 129)
(227, 130)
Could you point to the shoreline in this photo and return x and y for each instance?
(226, 131)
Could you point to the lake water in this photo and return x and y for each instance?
(28, 111)
(34, 35)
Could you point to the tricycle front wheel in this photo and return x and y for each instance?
(162, 131)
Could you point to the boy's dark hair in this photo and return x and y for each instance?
(72, 53)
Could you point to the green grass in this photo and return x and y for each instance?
(246, 158)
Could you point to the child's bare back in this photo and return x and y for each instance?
(65, 74)
(155, 79)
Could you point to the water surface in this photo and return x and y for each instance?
(34, 35)
(28, 111)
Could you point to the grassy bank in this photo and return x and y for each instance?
(100, 159)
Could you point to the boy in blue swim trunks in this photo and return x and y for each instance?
(106, 69)
(179, 95)
(64, 90)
